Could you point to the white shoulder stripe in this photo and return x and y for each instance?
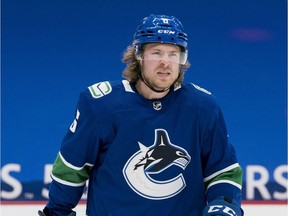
(221, 171)
(225, 181)
(71, 165)
(127, 86)
(201, 89)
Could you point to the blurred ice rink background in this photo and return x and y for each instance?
(52, 50)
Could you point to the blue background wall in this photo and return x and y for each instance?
(52, 50)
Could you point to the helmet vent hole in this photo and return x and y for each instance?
(159, 38)
(165, 25)
(147, 33)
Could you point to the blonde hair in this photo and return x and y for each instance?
(132, 72)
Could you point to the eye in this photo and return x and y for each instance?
(157, 53)
(179, 153)
(174, 54)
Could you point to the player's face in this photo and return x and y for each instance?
(160, 64)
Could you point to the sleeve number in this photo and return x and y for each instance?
(74, 123)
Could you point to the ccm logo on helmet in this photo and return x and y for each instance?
(166, 32)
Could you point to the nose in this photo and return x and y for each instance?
(165, 60)
(164, 63)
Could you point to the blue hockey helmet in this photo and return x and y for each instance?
(161, 29)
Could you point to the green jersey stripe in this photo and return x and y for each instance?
(233, 177)
(65, 173)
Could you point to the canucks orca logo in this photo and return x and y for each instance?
(154, 160)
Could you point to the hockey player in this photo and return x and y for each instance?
(151, 144)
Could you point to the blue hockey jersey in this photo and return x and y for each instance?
(168, 156)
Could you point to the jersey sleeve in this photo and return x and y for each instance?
(74, 161)
(222, 172)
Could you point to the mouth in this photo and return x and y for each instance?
(163, 74)
(181, 162)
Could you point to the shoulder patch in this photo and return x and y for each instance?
(201, 89)
(100, 89)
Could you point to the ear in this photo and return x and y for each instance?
(139, 59)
